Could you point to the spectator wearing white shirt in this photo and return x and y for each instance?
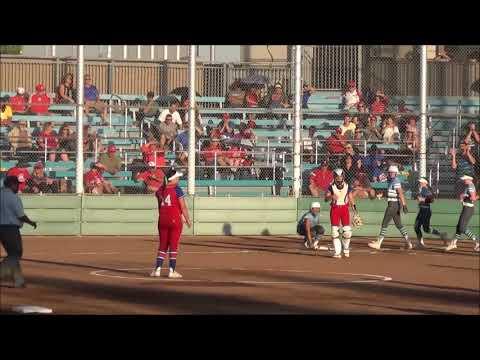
(172, 110)
(351, 97)
(390, 131)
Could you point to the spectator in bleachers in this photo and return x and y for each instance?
(358, 140)
(411, 135)
(64, 93)
(182, 141)
(174, 114)
(252, 100)
(214, 148)
(336, 142)
(236, 95)
(67, 138)
(307, 92)
(91, 143)
(372, 132)
(152, 153)
(390, 131)
(148, 108)
(472, 136)
(110, 160)
(167, 131)
(224, 128)
(39, 182)
(19, 137)
(52, 156)
(350, 151)
(361, 184)
(6, 112)
(47, 138)
(349, 169)
(19, 102)
(363, 116)
(278, 99)
(198, 120)
(320, 179)
(348, 127)
(95, 183)
(403, 119)
(92, 100)
(245, 132)
(351, 97)
(308, 145)
(373, 163)
(152, 178)
(380, 104)
(40, 101)
(20, 171)
(63, 155)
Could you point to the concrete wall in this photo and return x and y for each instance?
(137, 215)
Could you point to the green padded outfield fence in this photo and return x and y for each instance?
(136, 215)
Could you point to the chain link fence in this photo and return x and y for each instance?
(361, 97)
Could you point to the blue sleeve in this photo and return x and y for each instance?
(179, 192)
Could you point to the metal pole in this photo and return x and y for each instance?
(109, 51)
(423, 110)
(152, 52)
(178, 52)
(191, 125)
(165, 52)
(79, 165)
(125, 52)
(212, 53)
(54, 51)
(296, 133)
(139, 52)
(359, 68)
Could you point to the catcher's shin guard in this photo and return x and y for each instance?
(337, 244)
(347, 235)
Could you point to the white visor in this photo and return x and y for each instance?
(466, 177)
(315, 205)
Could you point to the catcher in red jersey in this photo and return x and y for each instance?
(339, 194)
(171, 208)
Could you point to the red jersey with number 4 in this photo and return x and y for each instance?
(169, 211)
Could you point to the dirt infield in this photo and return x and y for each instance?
(243, 275)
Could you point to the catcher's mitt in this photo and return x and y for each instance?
(357, 220)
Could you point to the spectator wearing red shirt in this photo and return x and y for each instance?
(245, 132)
(20, 171)
(95, 183)
(320, 179)
(40, 101)
(380, 104)
(152, 178)
(152, 153)
(224, 127)
(336, 142)
(48, 136)
(19, 102)
(209, 151)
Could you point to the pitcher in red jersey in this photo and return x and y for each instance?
(171, 207)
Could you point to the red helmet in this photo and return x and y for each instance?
(40, 87)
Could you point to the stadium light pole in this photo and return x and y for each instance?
(297, 114)
(139, 52)
(191, 127)
(79, 164)
(125, 52)
(109, 51)
(423, 110)
(54, 51)
(178, 53)
(165, 52)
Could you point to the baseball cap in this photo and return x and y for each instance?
(315, 205)
(20, 91)
(111, 148)
(466, 177)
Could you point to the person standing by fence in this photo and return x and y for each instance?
(12, 218)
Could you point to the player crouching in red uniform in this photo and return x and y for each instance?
(171, 207)
(340, 195)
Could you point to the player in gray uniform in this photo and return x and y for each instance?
(309, 226)
(425, 198)
(468, 198)
(396, 202)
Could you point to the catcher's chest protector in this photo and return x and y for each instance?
(342, 194)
